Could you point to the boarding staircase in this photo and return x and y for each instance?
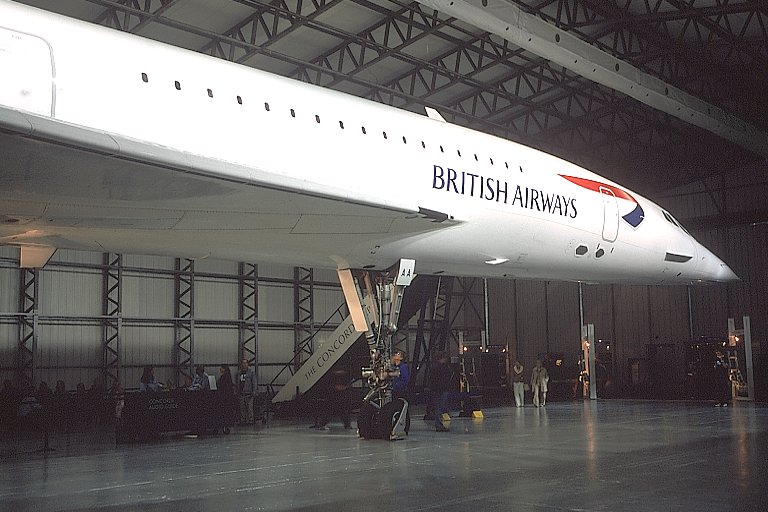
(427, 296)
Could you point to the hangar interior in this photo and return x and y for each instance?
(671, 103)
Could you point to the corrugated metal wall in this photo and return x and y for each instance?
(71, 331)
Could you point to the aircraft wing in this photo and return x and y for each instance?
(67, 186)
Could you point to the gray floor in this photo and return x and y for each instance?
(574, 456)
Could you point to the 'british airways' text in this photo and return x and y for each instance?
(491, 189)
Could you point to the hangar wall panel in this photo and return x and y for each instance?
(599, 311)
(148, 295)
(502, 314)
(9, 334)
(210, 266)
(148, 261)
(275, 346)
(563, 330)
(669, 313)
(276, 271)
(327, 301)
(68, 352)
(633, 321)
(468, 309)
(146, 345)
(325, 275)
(216, 299)
(215, 346)
(531, 321)
(9, 289)
(275, 303)
(69, 293)
(78, 257)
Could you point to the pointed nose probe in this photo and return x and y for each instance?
(713, 268)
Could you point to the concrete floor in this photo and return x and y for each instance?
(569, 456)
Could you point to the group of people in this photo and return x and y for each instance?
(441, 383)
(239, 392)
(57, 409)
(538, 384)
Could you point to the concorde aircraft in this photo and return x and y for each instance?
(115, 143)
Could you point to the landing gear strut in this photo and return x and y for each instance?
(381, 417)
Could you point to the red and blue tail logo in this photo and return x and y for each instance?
(633, 218)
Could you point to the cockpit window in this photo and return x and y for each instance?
(674, 221)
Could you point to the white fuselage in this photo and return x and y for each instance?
(524, 211)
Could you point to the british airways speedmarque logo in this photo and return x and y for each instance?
(633, 218)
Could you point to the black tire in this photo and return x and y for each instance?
(366, 421)
(387, 418)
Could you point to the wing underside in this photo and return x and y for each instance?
(66, 186)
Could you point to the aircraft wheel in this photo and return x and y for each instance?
(388, 417)
(366, 421)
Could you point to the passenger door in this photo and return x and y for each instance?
(26, 67)
(610, 215)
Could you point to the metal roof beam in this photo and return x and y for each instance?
(530, 32)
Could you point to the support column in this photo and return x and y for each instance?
(184, 315)
(112, 299)
(28, 327)
(303, 314)
(248, 332)
(589, 347)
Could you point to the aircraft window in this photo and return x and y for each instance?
(476, 160)
(210, 93)
(491, 161)
(599, 253)
(668, 217)
(317, 119)
(144, 77)
(404, 141)
(239, 100)
(506, 165)
(177, 85)
(266, 106)
(385, 134)
(458, 152)
(442, 150)
(341, 124)
(363, 128)
(423, 145)
(582, 250)
(681, 226)
(293, 113)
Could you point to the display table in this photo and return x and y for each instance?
(146, 415)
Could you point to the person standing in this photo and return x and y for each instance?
(338, 400)
(246, 388)
(722, 381)
(400, 384)
(518, 386)
(539, 379)
(441, 385)
(226, 390)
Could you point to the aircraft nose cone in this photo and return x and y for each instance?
(718, 271)
(714, 269)
(726, 274)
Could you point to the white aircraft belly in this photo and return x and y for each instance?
(75, 188)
